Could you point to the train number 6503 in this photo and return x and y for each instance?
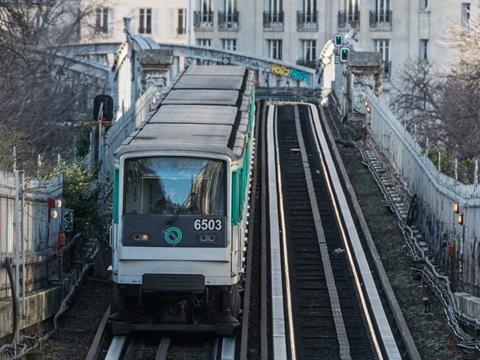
(207, 224)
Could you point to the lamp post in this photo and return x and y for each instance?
(460, 219)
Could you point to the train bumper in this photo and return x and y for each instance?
(219, 328)
(133, 271)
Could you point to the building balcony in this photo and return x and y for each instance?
(228, 20)
(346, 19)
(203, 20)
(387, 69)
(307, 21)
(381, 20)
(273, 21)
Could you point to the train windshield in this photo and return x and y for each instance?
(174, 185)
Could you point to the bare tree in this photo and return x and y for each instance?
(444, 106)
(41, 98)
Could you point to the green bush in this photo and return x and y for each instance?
(80, 193)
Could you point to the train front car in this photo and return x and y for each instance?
(178, 229)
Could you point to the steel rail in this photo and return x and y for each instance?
(116, 348)
(290, 328)
(263, 247)
(354, 249)
(327, 266)
(276, 269)
(99, 335)
(162, 349)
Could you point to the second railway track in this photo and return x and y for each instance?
(328, 322)
(328, 312)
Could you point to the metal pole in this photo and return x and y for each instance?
(22, 204)
(439, 161)
(39, 164)
(475, 174)
(59, 161)
(14, 158)
(426, 147)
(16, 226)
(455, 164)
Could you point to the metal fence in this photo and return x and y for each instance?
(437, 194)
(36, 234)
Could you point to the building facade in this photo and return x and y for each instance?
(294, 31)
(163, 20)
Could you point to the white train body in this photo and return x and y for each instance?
(181, 202)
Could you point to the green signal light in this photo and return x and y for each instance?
(338, 40)
(344, 54)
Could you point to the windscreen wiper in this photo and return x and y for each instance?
(180, 210)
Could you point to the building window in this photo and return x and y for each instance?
(101, 22)
(145, 21)
(308, 15)
(205, 6)
(424, 50)
(309, 50)
(351, 8)
(228, 18)
(382, 10)
(465, 14)
(204, 42)
(275, 7)
(229, 44)
(182, 21)
(423, 4)
(206, 13)
(275, 49)
(383, 47)
(230, 6)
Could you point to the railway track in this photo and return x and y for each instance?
(156, 347)
(327, 314)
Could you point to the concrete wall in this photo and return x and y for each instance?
(437, 193)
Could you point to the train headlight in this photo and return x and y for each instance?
(207, 239)
(141, 237)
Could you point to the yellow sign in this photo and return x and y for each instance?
(293, 73)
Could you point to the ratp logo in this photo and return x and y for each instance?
(173, 235)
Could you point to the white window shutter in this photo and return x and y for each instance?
(111, 21)
(172, 21)
(155, 22)
(134, 14)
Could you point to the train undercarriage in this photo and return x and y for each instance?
(155, 308)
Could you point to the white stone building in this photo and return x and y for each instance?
(295, 31)
(163, 20)
(291, 30)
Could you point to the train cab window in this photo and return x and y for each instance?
(169, 185)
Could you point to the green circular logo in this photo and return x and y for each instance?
(173, 235)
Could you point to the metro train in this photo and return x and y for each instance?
(180, 206)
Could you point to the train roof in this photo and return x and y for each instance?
(202, 97)
(206, 110)
(217, 70)
(211, 82)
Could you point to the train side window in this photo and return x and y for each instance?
(116, 194)
(236, 197)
